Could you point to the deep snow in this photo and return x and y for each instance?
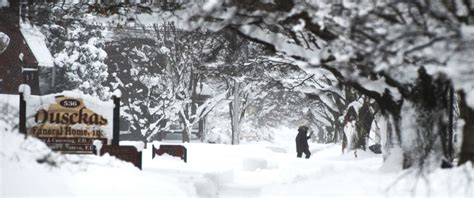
(252, 170)
(258, 169)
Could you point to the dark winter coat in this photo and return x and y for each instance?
(302, 141)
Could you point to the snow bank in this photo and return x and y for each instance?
(272, 170)
(30, 168)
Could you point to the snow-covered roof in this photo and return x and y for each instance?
(36, 41)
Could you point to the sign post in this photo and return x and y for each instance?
(116, 123)
(22, 123)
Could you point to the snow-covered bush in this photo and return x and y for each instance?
(4, 41)
(218, 135)
(79, 55)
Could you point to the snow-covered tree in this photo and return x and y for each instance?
(138, 69)
(383, 49)
(81, 61)
(331, 103)
(77, 47)
(241, 64)
(159, 77)
(187, 52)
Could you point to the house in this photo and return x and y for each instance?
(17, 63)
(25, 55)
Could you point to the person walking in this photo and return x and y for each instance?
(302, 142)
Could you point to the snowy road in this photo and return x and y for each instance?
(255, 170)
(273, 171)
(213, 170)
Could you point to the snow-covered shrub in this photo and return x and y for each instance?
(77, 48)
(218, 135)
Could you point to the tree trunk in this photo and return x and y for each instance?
(338, 131)
(235, 115)
(386, 139)
(425, 139)
(202, 129)
(450, 141)
(185, 135)
(417, 123)
(186, 129)
(428, 140)
(363, 125)
(467, 147)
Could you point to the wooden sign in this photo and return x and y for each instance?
(67, 124)
(125, 153)
(173, 150)
(71, 145)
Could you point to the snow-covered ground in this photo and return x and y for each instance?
(261, 169)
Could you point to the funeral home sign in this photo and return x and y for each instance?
(69, 122)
